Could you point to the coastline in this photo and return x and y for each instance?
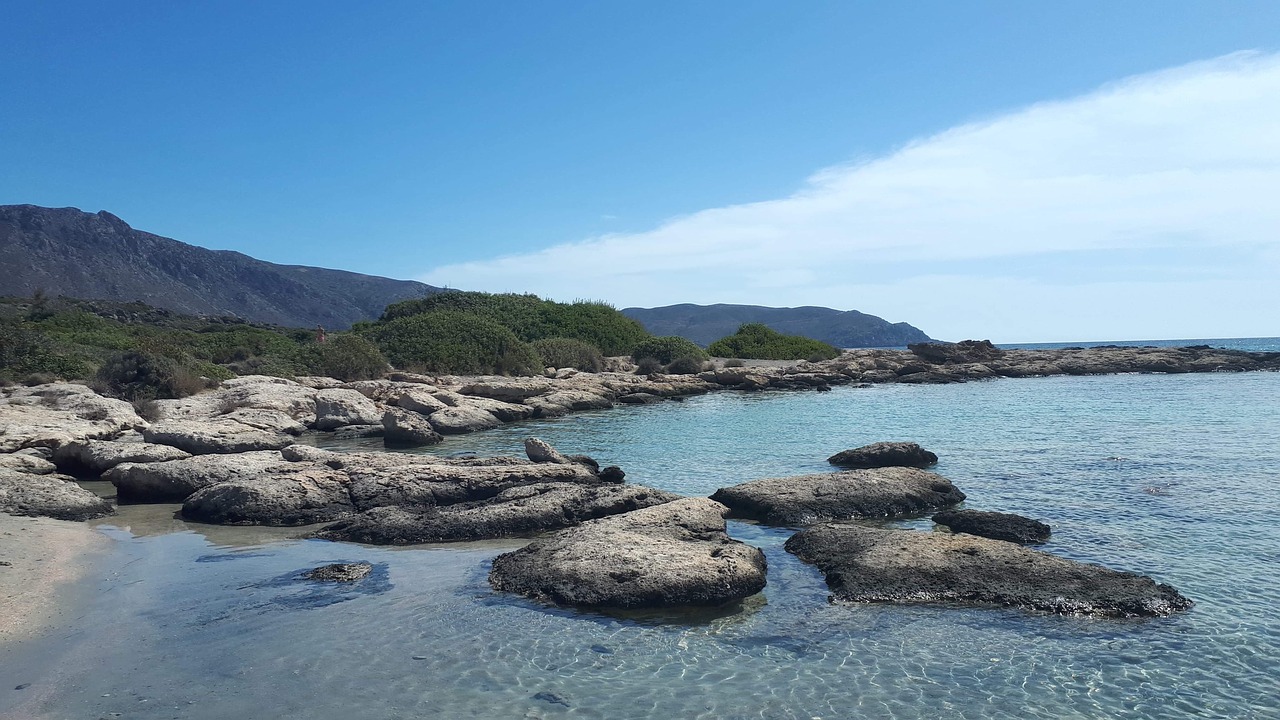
(44, 557)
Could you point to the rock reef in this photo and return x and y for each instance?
(994, 525)
(808, 499)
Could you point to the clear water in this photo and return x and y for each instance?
(1173, 476)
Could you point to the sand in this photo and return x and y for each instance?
(39, 559)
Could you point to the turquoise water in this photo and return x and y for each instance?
(1173, 476)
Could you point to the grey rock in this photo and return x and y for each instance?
(864, 564)
(540, 451)
(174, 480)
(444, 484)
(640, 398)
(55, 496)
(266, 419)
(461, 419)
(407, 429)
(282, 496)
(808, 499)
(885, 454)
(24, 463)
(359, 431)
(203, 437)
(339, 407)
(419, 400)
(94, 457)
(507, 389)
(994, 525)
(676, 554)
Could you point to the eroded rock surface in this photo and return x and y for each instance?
(994, 525)
(94, 457)
(216, 436)
(282, 496)
(175, 480)
(884, 454)
(676, 554)
(808, 499)
(49, 495)
(864, 564)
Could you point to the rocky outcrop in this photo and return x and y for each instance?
(175, 480)
(23, 463)
(402, 428)
(58, 413)
(808, 499)
(50, 495)
(423, 484)
(673, 555)
(463, 419)
(216, 436)
(885, 454)
(91, 458)
(282, 496)
(339, 407)
(965, 351)
(540, 451)
(994, 525)
(419, 400)
(518, 511)
(512, 390)
(872, 565)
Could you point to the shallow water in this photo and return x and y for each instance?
(1173, 476)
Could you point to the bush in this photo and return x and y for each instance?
(448, 341)
(148, 410)
(135, 375)
(685, 366)
(569, 353)
(648, 366)
(734, 363)
(350, 357)
(667, 348)
(760, 342)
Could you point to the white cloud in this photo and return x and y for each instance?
(934, 233)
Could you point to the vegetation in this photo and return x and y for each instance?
(685, 366)
(666, 349)
(456, 342)
(569, 353)
(759, 342)
(138, 376)
(350, 357)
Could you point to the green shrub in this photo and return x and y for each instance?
(569, 353)
(734, 363)
(667, 348)
(648, 366)
(760, 342)
(350, 357)
(447, 341)
(685, 366)
(134, 375)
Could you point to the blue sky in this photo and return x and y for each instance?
(635, 152)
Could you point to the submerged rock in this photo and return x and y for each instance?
(55, 496)
(340, 572)
(885, 454)
(673, 555)
(864, 564)
(808, 499)
(994, 525)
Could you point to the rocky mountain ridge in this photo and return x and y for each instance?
(705, 324)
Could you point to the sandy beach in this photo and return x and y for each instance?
(38, 558)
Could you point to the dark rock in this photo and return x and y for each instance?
(994, 525)
(808, 499)
(358, 431)
(673, 555)
(612, 474)
(639, 398)
(864, 564)
(885, 454)
(585, 461)
(965, 351)
(55, 496)
(340, 572)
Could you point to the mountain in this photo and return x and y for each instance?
(65, 251)
(705, 324)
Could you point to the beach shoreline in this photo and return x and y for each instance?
(42, 557)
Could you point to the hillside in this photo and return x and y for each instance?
(705, 324)
(65, 251)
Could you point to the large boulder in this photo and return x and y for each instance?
(203, 437)
(676, 554)
(419, 400)
(808, 499)
(462, 419)
(402, 428)
(965, 351)
(174, 480)
(339, 407)
(285, 496)
(55, 414)
(885, 454)
(55, 496)
(266, 419)
(24, 463)
(864, 564)
(540, 451)
(94, 457)
(444, 484)
(994, 525)
(518, 511)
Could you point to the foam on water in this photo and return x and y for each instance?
(1172, 476)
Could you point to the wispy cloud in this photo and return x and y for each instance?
(1153, 200)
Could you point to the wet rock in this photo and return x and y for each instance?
(994, 525)
(515, 512)
(340, 572)
(174, 480)
(205, 437)
(94, 457)
(55, 496)
(281, 496)
(404, 428)
(885, 454)
(540, 451)
(864, 564)
(676, 554)
(340, 406)
(808, 499)
(24, 463)
(612, 474)
(462, 419)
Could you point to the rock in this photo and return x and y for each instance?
(673, 555)
(93, 457)
(359, 431)
(562, 402)
(419, 400)
(515, 512)
(584, 460)
(24, 463)
(259, 392)
(457, 420)
(994, 525)
(339, 407)
(808, 499)
(266, 419)
(214, 436)
(281, 496)
(54, 414)
(174, 480)
(425, 484)
(540, 451)
(318, 382)
(503, 411)
(340, 572)
(965, 351)
(864, 564)
(612, 474)
(639, 398)
(885, 454)
(403, 428)
(55, 496)
(382, 391)
(512, 390)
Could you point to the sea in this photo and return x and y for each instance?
(1172, 476)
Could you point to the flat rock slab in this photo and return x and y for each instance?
(994, 525)
(206, 437)
(809, 499)
(94, 457)
(281, 497)
(673, 555)
(515, 512)
(904, 566)
(26, 464)
(55, 496)
(885, 454)
(175, 480)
